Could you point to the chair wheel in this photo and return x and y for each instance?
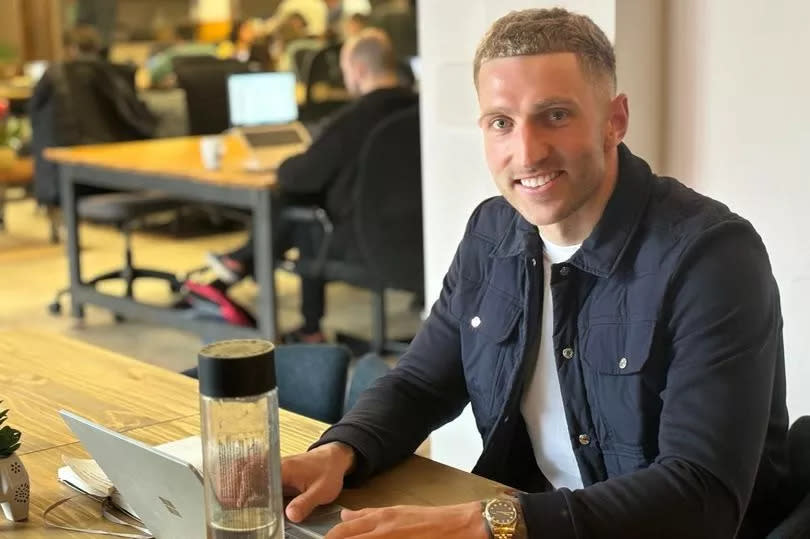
(55, 308)
(120, 318)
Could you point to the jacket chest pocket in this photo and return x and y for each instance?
(624, 382)
(488, 319)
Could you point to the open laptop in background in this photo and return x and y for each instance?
(167, 493)
(263, 113)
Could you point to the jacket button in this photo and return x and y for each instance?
(475, 322)
(623, 363)
(564, 271)
(534, 261)
(506, 419)
(568, 353)
(584, 439)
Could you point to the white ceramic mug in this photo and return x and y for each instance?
(212, 149)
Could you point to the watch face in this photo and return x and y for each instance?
(501, 513)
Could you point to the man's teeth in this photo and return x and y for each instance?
(538, 181)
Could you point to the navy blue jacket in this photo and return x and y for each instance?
(668, 342)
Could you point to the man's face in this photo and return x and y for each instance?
(548, 130)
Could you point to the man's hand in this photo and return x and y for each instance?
(412, 522)
(315, 477)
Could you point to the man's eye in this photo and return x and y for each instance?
(499, 123)
(558, 115)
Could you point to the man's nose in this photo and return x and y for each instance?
(532, 146)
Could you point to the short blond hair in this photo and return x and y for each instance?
(373, 47)
(544, 31)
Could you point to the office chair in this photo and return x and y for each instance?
(206, 86)
(386, 222)
(88, 102)
(364, 373)
(312, 379)
(797, 523)
(323, 71)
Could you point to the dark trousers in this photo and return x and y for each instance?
(307, 237)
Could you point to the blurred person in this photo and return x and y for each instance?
(82, 42)
(245, 44)
(354, 24)
(325, 174)
(159, 68)
(291, 36)
(314, 13)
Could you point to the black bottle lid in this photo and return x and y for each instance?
(237, 368)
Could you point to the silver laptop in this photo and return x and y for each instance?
(167, 493)
(264, 114)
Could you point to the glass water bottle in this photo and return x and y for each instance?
(241, 453)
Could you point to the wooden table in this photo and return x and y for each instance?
(172, 166)
(41, 373)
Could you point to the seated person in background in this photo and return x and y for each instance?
(618, 335)
(291, 36)
(245, 45)
(159, 69)
(314, 13)
(83, 43)
(354, 24)
(324, 175)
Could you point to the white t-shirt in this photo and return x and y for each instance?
(542, 404)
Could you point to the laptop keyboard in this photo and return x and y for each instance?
(273, 138)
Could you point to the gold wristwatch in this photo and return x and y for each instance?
(502, 517)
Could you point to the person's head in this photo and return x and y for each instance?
(242, 32)
(354, 24)
(367, 62)
(551, 119)
(82, 41)
(185, 32)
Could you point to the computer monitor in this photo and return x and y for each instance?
(262, 99)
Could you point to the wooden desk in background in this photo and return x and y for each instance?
(172, 166)
(42, 373)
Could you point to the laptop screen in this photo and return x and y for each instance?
(262, 98)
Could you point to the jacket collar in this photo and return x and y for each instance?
(602, 250)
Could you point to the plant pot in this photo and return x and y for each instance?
(14, 488)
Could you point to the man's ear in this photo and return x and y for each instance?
(618, 120)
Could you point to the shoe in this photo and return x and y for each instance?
(221, 265)
(213, 301)
(299, 336)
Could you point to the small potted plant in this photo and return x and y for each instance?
(14, 485)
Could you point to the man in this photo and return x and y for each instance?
(325, 174)
(625, 365)
(159, 70)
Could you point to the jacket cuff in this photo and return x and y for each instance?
(366, 448)
(547, 515)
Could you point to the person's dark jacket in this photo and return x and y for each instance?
(668, 342)
(329, 166)
(82, 102)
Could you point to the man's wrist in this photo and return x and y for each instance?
(520, 524)
(347, 456)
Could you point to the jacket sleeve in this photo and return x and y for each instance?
(425, 390)
(723, 326)
(311, 171)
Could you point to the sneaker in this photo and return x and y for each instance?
(299, 336)
(212, 300)
(226, 269)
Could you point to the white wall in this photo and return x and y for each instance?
(455, 177)
(640, 45)
(739, 131)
